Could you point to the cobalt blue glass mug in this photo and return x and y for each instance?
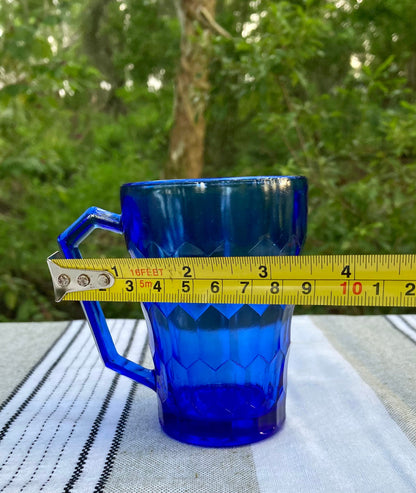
(220, 370)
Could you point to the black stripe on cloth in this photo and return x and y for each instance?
(109, 462)
(75, 423)
(30, 372)
(83, 456)
(391, 322)
(118, 435)
(405, 320)
(42, 381)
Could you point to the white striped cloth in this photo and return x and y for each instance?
(73, 425)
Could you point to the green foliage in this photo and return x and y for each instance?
(307, 87)
(313, 93)
(67, 140)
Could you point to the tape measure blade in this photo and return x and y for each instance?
(331, 280)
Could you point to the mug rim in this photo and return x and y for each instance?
(220, 180)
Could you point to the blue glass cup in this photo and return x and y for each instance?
(220, 370)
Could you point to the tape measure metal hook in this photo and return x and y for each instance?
(69, 280)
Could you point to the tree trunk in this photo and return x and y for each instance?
(186, 147)
(411, 71)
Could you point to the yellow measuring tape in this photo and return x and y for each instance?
(340, 280)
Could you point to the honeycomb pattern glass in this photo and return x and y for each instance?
(221, 369)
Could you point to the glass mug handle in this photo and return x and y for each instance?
(69, 241)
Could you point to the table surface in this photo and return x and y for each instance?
(69, 424)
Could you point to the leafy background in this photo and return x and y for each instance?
(314, 87)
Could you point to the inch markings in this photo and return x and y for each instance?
(343, 280)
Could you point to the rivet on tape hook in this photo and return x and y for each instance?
(66, 280)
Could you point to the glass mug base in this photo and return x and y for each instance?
(224, 432)
(220, 386)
